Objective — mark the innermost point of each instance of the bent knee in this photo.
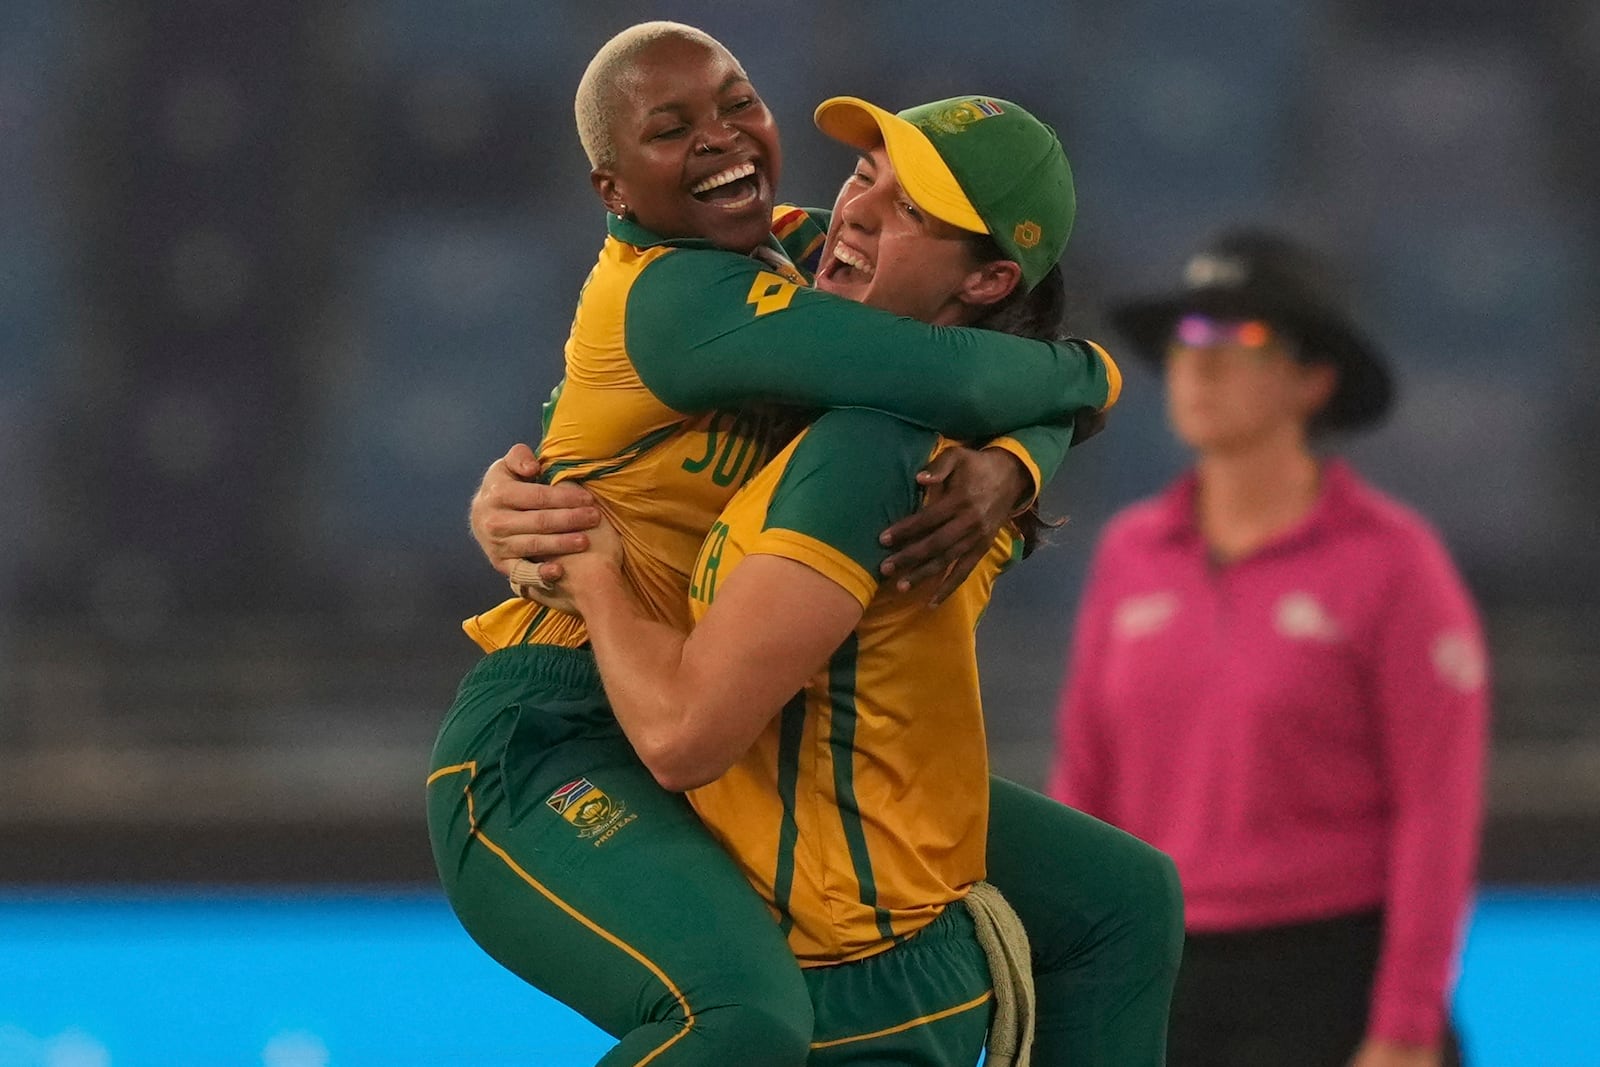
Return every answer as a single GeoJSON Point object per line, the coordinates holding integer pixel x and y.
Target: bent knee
{"type": "Point", "coordinates": [1154, 897]}
{"type": "Point", "coordinates": [760, 1035]}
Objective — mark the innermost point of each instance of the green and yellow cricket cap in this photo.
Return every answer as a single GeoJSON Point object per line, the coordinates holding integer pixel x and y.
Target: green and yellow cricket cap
{"type": "Point", "coordinates": [976, 162]}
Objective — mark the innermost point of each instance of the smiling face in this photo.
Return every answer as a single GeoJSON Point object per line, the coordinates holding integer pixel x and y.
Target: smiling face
{"type": "Point", "coordinates": [884, 251]}
{"type": "Point", "coordinates": [697, 151]}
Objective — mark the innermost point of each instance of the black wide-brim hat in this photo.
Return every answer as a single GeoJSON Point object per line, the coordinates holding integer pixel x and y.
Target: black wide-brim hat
{"type": "Point", "coordinates": [1256, 274]}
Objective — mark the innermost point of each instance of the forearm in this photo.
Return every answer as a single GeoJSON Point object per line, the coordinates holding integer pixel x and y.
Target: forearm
{"type": "Point", "coordinates": [961, 382]}
{"type": "Point", "coordinates": [769, 339]}
{"type": "Point", "coordinates": [1040, 451]}
{"type": "Point", "coordinates": [642, 664]}
{"type": "Point", "coordinates": [694, 705]}
{"type": "Point", "coordinates": [1433, 856]}
{"type": "Point", "coordinates": [1436, 762]}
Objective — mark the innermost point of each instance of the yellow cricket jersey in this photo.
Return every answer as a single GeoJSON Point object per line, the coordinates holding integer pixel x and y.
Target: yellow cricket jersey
{"type": "Point", "coordinates": [684, 367]}
{"type": "Point", "coordinates": [862, 810]}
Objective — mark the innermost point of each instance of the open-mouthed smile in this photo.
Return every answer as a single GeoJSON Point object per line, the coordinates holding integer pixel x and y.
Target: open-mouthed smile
{"type": "Point", "coordinates": [847, 263]}
{"type": "Point", "coordinates": [732, 188]}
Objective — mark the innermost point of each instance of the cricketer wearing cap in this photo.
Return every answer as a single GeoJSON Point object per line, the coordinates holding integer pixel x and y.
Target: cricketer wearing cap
{"type": "Point", "coordinates": [861, 811]}
{"type": "Point", "coordinates": [1015, 168]}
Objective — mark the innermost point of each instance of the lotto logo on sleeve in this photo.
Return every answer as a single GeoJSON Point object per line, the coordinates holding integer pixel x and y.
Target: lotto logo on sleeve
{"type": "Point", "coordinates": [587, 807]}
{"type": "Point", "coordinates": [771, 292]}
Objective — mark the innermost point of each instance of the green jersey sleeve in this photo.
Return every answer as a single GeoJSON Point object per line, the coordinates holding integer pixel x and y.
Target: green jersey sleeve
{"type": "Point", "coordinates": [1042, 449]}
{"type": "Point", "coordinates": [706, 329]}
{"type": "Point", "coordinates": [851, 476]}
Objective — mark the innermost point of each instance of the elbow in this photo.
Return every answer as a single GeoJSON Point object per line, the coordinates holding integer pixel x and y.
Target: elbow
{"type": "Point", "coordinates": [680, 776]}
{"type": "Point", "coordinates": [680, 757]}
{"type": "Point", "coordinates": [678, 766]}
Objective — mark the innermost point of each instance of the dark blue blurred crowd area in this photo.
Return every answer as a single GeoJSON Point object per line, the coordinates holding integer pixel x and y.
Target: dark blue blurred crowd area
{"type": "Point", "coordinates": [277, 282]}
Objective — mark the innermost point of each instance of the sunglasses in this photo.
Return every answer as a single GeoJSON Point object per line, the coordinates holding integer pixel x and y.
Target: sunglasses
{"type": "Point", "coordinates": [1203, 331]}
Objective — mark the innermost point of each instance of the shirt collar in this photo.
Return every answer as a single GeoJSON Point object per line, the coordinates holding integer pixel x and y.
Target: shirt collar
{"type": "Point", "coordinates": [1177, 520]}
{"type": "Point", "coordinates": [630, 232]}
{"type": "Point", "coordinates": [1175, 509]}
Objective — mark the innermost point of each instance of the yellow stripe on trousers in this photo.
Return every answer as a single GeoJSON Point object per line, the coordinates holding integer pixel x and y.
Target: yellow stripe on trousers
{"type": "Point", "coordinates": [922, 1021]}
{"type": "Point", "coordinates": [471, 769]}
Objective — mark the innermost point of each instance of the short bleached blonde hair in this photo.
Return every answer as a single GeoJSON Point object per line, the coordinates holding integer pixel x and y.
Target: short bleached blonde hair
{"type": "Point", "coordinates": [596, 103]}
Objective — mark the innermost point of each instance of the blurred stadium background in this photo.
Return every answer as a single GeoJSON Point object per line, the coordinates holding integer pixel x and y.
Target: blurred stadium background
{"type": "Point", "coordinates": [278, 280]}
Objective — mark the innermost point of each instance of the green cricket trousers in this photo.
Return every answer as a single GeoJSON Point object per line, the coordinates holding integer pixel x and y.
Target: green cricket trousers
{"type": "Point", "coordinates": [572, 868]}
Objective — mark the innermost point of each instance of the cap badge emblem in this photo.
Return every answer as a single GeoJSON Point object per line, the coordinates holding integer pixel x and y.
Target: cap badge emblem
{"type": "Point", "coordinates": [958, 117]}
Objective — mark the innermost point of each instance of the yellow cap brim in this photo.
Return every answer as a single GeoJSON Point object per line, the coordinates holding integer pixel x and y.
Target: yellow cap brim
{"type": "Point", "coordinates": [922, 172]}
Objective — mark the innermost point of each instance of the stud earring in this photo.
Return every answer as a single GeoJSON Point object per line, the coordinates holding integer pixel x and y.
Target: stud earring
{"type": "Point", "coordinates": [622, 211]}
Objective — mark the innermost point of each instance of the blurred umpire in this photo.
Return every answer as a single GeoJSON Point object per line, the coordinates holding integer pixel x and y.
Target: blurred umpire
{"type": "Point", "coordinates": [1278, 678]}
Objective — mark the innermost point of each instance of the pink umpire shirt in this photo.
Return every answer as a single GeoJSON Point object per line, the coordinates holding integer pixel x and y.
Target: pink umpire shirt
{"type": "Point", "coordinates": [1303, 730]}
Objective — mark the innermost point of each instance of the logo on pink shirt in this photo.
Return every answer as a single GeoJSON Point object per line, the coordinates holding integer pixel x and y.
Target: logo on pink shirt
{"type": "Point", "coordinates": [1301, 618]}
{"type": "Point", "coordinates": [1459, 661]}
{"type": "Point", "coordinates": [1138, 616]}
